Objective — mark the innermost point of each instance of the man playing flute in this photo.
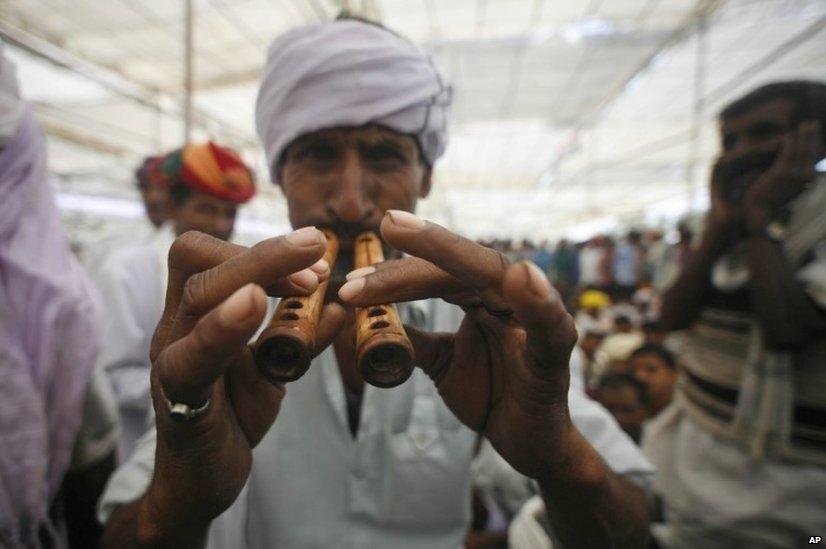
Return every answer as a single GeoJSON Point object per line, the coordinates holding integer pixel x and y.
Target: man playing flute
{"type": "Point", "coordinates": [353, 119]}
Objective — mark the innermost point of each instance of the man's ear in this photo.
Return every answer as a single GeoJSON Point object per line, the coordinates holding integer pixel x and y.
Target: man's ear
{"type": "Point", "coordinates": [424, 190]}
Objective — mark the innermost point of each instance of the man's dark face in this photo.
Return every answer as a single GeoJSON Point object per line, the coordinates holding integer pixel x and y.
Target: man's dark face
{"type": "Point", "coordinates": [345, 179]}
{"type": "Point", "coordinates": [625, 405]}
{"type": "Point", "coordinates": [623, 326]}
{"type": "Point", "coordinates": [157, 203]}
{"type": "Point", "coordinates": [657, 376]}
{"type": "Point", "coordinates": [750, 144]}
{"type": "Point", "coordinates": [201, 212]}
{"type": "Point", "coordinates": [590, 343]}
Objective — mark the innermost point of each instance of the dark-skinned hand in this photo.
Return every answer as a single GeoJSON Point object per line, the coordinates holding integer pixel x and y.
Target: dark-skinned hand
{"type": "Point", "coordinates": [216, 299]}
{"type": "Point", "coordinates": [504, 373]}
{"type": "Point", "coordinates": [793, 169]}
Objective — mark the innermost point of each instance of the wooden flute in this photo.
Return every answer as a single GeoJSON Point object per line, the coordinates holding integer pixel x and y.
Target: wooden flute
{"type": "Point", "coordinates": [384, 354]}
{"type": "Point", "coordinates": [383, 351]}
{"type": "Point", "coordinates": [284, 350]}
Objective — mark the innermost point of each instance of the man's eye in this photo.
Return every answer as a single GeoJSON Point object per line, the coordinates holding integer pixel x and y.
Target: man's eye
{"type": "Point", "coordinates": [384, 155]}
{"type": "Point", "coordinates": [762, 131]}
{"type": "Point", "coordinates": [318, 151]}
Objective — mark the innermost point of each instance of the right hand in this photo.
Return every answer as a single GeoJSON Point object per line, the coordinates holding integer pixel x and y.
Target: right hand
{"type": "Point", "coordinates": [723, 215]}
{"type": "Point", "coordinates": [215, 301]}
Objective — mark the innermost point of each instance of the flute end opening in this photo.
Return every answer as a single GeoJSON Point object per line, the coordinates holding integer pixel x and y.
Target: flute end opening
{"type": "Point", "coordinates": [387, 366]}
{"type": "Point", "coordinates": [283, 359]}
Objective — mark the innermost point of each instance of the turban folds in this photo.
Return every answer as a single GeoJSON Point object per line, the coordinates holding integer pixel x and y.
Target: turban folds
{"type": "Point", "coordinates": [349, 73]}
{"type": "Point", "coordinates": [150, 172]}
{"type": "Point", "coordinates": [210, 169]}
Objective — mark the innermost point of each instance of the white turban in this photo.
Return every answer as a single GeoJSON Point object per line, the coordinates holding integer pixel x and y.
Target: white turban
{"type": "Point", "coordinates": [349, 73]}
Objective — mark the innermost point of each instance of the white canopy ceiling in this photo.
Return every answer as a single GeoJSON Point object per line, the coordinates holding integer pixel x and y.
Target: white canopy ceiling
{"type": "Point", "coordinates": [569, 116]}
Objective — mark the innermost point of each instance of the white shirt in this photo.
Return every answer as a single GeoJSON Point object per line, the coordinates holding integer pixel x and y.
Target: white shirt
{"type": "Point", "coordinates": [98, 251]}
{"type": "Point", "coordinates": [402, 482]}
{"type": "Point", "coordinates": [132, 283]}
{"type": "Point", "coordinates": [589, 260]}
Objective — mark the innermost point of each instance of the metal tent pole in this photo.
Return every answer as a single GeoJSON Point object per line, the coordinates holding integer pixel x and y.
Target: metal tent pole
{"type": "Point", "coordinates": [189, 43]}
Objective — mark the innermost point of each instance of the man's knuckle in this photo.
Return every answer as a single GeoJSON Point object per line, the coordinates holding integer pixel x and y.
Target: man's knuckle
{"type": "Point", "coordinates": [183, 247]}
{"type": "Point", "coordinates": [193, 293]}
{"type": "Point", "coordinates": [504, 262]}
{"type": "Point", "coordinates": [202, 340]}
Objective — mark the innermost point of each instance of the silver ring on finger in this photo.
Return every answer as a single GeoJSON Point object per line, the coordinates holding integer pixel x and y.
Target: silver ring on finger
{"type": "Point", "coordinates": [182, 413]}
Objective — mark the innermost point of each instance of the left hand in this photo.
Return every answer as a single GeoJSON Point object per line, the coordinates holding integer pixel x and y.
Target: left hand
{"type": "Point", "coordinates": [787, 177]}
{"type": "Point", "coordinates": [505, 374]}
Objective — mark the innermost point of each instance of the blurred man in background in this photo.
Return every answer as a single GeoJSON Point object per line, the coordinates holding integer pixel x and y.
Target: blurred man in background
{"type": "Point", "coordinates": [154, 190]}
{"type": "Point", "coordinates": [656, 368]}
{"type": "Point", "coordinates": [629, 263]}
{"type": "Point", "coordinates": [742, 457]}
{"type": "Point", "coordinates": [627, 399]}
{"type": "Point", "coordinates": [563, 269]}
{"type": "Point", "coordinates": [591, 257]}
{"type": "Point", "coordinates": [206, 184]}
{"type": "Point", "coordinates": [57, 419]}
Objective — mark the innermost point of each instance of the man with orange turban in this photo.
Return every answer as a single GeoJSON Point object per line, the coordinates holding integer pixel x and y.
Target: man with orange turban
{"type": "Point", "coordinates": [206, 183]}
{"type": "Point", "coordinates": [154, 190]}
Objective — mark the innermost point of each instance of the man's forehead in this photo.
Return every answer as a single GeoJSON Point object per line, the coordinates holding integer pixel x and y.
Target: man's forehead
{"type": "Point", "coordinates": [777, 110]}
{"type": "Point", "coordinates": [371, 133]}
{"type": "Point", "coordinates": [204, 198]}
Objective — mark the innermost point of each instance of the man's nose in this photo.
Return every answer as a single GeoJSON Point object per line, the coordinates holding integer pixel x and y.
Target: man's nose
{"type": "Point", "coordinates": [349, 202]}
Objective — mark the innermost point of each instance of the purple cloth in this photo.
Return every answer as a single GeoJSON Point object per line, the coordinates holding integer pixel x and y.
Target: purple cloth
{"type": "Point", "coordinates": [49, 339]}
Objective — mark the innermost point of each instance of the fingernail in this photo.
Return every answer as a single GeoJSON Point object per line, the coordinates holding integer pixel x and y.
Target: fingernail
{"type": "Point", "coordinates": [359, 273]}
{"type": "Point", "coordinates": [320, 267]}
{"type": "Point", "coordinates": [304, 278]}
{"type": "Point", "coordinates": [537, 281]}
{"type": "Point", "coordinates": [237, 307]}
{"type": "Point", "coordinates": [351, 289]}
{"type": "Point", "coordinates": [405, 219]}
{"type": "Point", "coordinates": [306, 236]}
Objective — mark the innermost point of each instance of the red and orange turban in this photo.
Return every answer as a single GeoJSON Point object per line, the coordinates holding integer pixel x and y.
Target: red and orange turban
{"type": "Point", "coordinates": [155, 174]}
{"type": "Point", "coordinates": [150, 173]}
{"type": "Point", "coordinates": [210, 169]}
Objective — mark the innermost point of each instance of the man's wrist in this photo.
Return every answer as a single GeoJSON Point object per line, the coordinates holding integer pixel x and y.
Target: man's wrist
{"type": "Point", "coordinates": [580, 470]}
{"type": "Point", "coordinates": [162, 521]}
{"type": "Point", "coordinates": [757, 219]}
{"type": "Point", "coordinates": [715, 240]}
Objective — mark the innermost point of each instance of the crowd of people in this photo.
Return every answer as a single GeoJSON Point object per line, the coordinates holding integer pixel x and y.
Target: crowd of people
{"type": "Point", "coordinates": [616, 392]}
{"type": "Point", "coordinates": [620, 265]}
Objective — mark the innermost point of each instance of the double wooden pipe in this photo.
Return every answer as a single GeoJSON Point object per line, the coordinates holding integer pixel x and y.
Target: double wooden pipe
{"type": "Point", "coordinates": [384, 353]}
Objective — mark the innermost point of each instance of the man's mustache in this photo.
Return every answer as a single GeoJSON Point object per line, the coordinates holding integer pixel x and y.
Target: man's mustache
{"type": "Point", "coordinates": [754, 162]}
{"type": "Point", "coordinates": [347, 231]}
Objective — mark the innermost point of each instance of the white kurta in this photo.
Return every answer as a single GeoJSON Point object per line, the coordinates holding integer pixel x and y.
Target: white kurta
{"type": "Point", "coordinates": [132, 283]}
{"type": "Point", "coordinates": [402, 482]}
{"type": "Point", "coordinates": [717, 489]}
{"type": "Point", "coordinates": [112, 241]}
